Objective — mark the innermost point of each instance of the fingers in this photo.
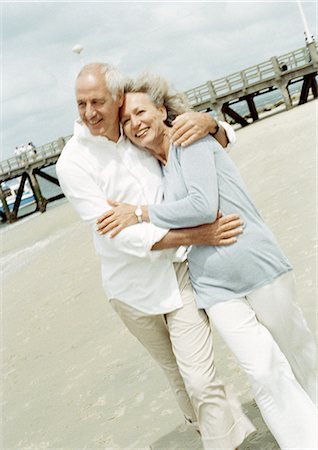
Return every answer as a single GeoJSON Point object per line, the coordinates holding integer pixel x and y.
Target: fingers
{"type": "Point", "coordinates": [105, 216]}
{"type": "Point", "coordinates": [231, 225]}
{"type": "Point", "coordinates": [101, 225]}
{"type": "Point", "coordinates": [191, 126]}
{"type": "Point", "coordinates": [106, 227]}
{"type": "Point", "coordinates": [179, 133]}
{"type": "Point", "coordinates": [187, 138]}
{"type": "Point", "coordinates": [229, 237]}
{"type": "Point", "coordinates": [229, 218]}
{"type": "Point", "coordinates": [112, 202]}
{"type": "Point", "coordinates": [116, 231]}
{"type": "Point", "coordinates": [231, 233]}
{"type": "Point", "coordinates": [228, 241]}
{"type": "Point", "coordinates": [230, 222]}
{"type": "Point", "coordinates": [180, 120]}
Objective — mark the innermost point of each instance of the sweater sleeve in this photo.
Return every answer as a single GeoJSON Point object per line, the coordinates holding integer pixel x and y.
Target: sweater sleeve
{"type": "Point", "coordinates": [197, 167]}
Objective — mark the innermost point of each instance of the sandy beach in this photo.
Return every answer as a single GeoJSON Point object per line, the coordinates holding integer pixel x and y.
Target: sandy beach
{"type": "Point", "coordinates": [72, 375]}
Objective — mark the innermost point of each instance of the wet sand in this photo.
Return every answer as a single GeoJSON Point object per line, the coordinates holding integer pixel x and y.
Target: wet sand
{"type": "Point", "coordinates": [72, 376]}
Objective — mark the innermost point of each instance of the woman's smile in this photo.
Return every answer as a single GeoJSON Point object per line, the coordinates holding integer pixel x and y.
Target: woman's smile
{"type": "Point", "coordinates": [141, 133]}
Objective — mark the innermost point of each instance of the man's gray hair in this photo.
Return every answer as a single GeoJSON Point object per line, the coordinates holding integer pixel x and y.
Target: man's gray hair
{"type": "Point", "coordinates": [160, 93]}
{"type": "Point", "coordinates": [115, 80]}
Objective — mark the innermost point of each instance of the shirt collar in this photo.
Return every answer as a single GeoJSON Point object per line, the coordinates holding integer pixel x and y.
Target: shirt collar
{"type": "Point", "coordinates": [81, 132]}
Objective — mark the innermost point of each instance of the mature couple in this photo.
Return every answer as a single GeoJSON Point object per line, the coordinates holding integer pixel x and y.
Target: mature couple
{"type": "Point", "coordinates": [245, 289]}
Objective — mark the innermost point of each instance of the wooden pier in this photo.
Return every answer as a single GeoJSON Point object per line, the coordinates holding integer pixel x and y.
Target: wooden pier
{"type": "Point", "coordinates": [276, 73]}
{"type": "Point", "coordinates": [28, 167]}
{"type": "Point", "coordinates": [218, 95]}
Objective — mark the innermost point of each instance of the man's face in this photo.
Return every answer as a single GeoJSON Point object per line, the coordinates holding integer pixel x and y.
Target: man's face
{"type": "Point", "coordinates": [97, 109]}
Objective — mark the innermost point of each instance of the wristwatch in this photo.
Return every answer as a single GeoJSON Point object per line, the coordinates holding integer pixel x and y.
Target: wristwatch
{"type": "Point", "coordinates": [138, 212]}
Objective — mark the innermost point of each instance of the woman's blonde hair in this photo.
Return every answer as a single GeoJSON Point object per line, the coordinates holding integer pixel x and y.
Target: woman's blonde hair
{"type": "Point", "coordinates": [160, 93]}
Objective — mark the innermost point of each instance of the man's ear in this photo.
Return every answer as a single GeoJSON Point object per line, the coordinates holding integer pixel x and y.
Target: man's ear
{"type": "Point", "coordinates": [120, 99]}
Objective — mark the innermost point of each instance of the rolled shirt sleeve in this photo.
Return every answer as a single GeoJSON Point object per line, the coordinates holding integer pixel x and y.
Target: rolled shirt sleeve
{"type": "Point", "coordinates": [231, 135]}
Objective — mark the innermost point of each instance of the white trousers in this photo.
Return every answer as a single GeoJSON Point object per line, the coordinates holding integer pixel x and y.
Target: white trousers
{"type": "Point", "coordinates": [267, 333]}
{"type": "Point", "coordinates": [188, 351]}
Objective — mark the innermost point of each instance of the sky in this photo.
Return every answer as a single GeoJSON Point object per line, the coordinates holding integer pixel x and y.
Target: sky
{"type": "Point", "coordinates": [186, 42]}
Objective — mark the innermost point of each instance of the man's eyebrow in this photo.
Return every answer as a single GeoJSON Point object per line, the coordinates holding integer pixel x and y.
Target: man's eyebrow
{"type": "Point", "coordinates": [95, 99]}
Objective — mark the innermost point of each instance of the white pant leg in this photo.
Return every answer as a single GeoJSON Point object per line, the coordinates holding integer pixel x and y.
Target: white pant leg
{"type": "Point", "coordinates": [286, 408]}
{"type": "Point", "coordinates": [151, 331]}
{"type": "Point", "coordinates": [222, 422]}
{"type": "Point", "coordinates": [276, 308]}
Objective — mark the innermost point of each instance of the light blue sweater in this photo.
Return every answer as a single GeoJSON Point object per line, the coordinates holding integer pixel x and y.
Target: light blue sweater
{"type": "Point", "coordinates": [198, 181]}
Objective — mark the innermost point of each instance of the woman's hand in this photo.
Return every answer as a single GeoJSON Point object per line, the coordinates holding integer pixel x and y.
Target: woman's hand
{"type": "Point", "coordinates": [121, 216]}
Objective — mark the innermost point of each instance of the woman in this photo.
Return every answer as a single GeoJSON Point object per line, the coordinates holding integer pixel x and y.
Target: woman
{"type": "Point", "coordinates": [241, 287]}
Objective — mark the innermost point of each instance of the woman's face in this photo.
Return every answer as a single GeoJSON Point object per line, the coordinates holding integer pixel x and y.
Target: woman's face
{"type": "Point", "coordinates": [142, 121]}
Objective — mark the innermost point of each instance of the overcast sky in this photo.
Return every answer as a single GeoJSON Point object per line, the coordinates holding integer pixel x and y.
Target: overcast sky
{"type": "Point", "coordinates": [187, 42]}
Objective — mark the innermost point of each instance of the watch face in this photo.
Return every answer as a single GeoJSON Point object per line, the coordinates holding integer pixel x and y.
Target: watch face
{"type": "Point", "coordinates": [138, 213]}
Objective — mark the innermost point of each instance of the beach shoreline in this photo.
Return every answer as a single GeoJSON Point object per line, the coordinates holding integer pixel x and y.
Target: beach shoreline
{"type": "Point", "coordinates": [72, 375]}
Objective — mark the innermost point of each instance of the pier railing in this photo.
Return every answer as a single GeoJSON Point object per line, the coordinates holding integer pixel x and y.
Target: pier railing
{"type": "Point", "coordinates": [240, 81]}
{"type": "Point", "coordinates": [295, 59]}
{"type": "Point", "coordinates": [43, 155]}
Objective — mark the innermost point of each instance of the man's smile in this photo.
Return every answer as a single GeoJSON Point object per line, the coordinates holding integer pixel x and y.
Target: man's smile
{"type": "Point", "coordinates": [95, 124]}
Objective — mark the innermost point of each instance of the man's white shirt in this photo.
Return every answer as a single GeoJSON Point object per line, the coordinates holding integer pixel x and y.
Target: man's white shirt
{"type": "Point", "coordinates": [92, 169]}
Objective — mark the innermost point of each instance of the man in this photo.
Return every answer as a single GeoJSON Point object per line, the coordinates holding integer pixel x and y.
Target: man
{"type": "Point", "coordinates": [150, 292]}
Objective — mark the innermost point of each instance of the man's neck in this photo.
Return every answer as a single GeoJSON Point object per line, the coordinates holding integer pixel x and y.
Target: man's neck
{"type": "Point", "coordinates": [113, 135]}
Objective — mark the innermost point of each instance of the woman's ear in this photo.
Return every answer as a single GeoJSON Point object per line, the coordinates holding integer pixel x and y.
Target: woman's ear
{"type": "Point", "coordinates": [164, 113]}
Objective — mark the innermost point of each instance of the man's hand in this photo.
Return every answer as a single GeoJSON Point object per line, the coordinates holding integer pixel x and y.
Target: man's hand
{"type": "Point", "coordinates": [223, 231]}
{"type": "Point", "coordinates": [191, 126]}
